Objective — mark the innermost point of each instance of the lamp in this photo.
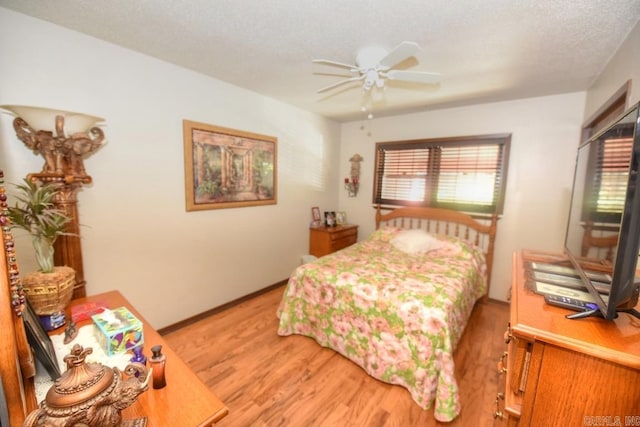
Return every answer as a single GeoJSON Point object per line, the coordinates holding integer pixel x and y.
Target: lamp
{"type": "Point", "coordinates": [352, 184]}
{"type": "Point", "coordinates": [64, 139]}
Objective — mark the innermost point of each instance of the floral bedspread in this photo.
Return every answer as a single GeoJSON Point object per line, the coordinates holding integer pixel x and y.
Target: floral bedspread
{"type": "Point", "coordinates": [398, 316]}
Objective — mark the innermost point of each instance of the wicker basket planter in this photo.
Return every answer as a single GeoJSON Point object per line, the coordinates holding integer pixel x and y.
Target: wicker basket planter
{"type": "Point", "coordinates": [50, 293]}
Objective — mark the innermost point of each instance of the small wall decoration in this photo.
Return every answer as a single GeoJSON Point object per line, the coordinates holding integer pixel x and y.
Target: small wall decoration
{"type": "Point", "coordinates": [228, 168]}
{"type": "Point", "coordinates": [352, 183]}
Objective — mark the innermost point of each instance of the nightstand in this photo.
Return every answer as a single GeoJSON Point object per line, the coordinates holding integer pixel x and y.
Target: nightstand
{"type": "Point", "coordinates": [325, 240]}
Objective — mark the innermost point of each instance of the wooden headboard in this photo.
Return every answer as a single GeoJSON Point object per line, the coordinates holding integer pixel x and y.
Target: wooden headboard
{"type": "Point", "coordinates": [599, 240]}
{"type": "Point", "coordinates": [479, 231]}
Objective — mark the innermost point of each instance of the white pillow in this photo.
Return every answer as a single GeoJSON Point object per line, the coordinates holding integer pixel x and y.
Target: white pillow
{"type": "Point", "coordinates": [415, 242]}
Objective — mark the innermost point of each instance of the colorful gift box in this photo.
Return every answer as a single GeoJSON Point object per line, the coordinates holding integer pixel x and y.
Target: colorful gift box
{"type": "Point", "coordinates": [117, 330]}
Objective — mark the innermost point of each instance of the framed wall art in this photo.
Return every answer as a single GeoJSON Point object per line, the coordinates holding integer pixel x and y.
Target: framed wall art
{"type": "Point", "coordinates": [228, 168]}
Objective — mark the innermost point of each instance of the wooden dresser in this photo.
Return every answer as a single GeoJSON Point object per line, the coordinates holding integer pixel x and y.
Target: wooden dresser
{"type": "Point", "coordinates": [561, 372]}
{"type": "Point", "coordinates": [325, 240]}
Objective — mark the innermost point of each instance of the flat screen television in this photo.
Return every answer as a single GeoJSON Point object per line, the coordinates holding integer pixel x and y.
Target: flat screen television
{"type": "Point", "coordinates": [606, 198]}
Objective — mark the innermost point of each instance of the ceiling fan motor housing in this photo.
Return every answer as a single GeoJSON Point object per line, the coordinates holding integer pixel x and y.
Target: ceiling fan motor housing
{"type": "Point", "coordinates": [372, 77]}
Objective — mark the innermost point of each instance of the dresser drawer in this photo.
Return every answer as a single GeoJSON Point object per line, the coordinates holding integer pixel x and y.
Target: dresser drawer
{"type": "Point", "coordinates": [513, 366]}
{"type": "Point", "coordinates": [343, 242]}
{"type": "Point", "coordinates": [349, 234]}
{"type": "Point", "coordinates": [326, 240]}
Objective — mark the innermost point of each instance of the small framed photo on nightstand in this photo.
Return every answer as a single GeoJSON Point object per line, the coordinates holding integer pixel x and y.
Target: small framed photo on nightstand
{"type": "Point", "coordinates": [341, 218]}
{"type": "Point", "coordinates": [329, 219]}
{"type": "Point", "coordinates": [316, 219]}
{"type": "Point", "coordinates": [315, 213]}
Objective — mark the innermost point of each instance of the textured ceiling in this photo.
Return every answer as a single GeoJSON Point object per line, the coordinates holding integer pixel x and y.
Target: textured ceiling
{"type": "Point", "coordinates": [486, 51]}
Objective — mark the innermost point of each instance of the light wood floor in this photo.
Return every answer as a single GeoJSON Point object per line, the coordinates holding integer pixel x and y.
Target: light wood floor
{"type": "Point", "coordinates": [268, 380]}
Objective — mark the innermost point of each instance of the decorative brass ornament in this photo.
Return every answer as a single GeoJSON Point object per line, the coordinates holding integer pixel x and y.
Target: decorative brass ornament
{"type": "Point", "coordinates": [90, 394]}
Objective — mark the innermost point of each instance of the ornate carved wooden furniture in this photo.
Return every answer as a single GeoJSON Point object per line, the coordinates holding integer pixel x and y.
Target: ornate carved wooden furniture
{"type": "Point", "coordinates": [63, 139]}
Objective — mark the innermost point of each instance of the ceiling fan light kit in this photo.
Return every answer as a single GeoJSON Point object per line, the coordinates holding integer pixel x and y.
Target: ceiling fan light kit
{"type": "Point", "coordinates": [374, 65]}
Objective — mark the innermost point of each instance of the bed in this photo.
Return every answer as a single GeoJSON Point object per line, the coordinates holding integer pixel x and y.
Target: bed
{"type": "Point", "coordinates": [397, 302]}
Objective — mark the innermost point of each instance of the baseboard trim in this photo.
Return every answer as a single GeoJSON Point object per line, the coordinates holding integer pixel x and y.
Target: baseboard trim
{"type": "Point", "coordinates": [186, 322]}
{"type": "Point", "coordinates": [498, 301]}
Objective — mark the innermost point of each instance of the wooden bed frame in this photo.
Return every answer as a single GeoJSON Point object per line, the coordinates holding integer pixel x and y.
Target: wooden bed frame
{"type": "Point", "coordinates": [447, 222]}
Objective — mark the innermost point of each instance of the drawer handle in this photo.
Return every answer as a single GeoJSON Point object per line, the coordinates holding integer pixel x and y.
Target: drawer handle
{"type": "Point", "coordinates": [498, 413]}
{"type": "Point", "coordinates": [508, 337]}
{"type": "Point", "coordinates": [500, 396]}
{"type": "Point", "coordinates": [502, 369]}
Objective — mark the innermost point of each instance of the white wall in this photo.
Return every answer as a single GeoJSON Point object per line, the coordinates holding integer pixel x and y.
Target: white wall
{"type": "Point", "coordinates": [624, 65]}
{"type": "Point", "coordinates": [545, 132]}
{"type": "Point", "coordinates": [137, 236]}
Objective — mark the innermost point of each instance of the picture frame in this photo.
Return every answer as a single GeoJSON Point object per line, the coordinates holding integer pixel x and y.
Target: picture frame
{"type": "Point", "coordinates": [568, 271]}
{"type": "Point", "coordinates": [550, 289]}
{"type": "Point", "coordinates": [228, 168]}
{"type": "Point", "coordinates": [570, 282]}
{"type": "Point", "coordinates": [329, 219]}
{"type": "Point", "coordinates": [40, 342]}
{"type": "Point", "coordinates": [316, 219]}
{"type": "Point", "coordinates": [567, 277]}
{"type": "Point", "coordinates": [341, 218]}
{"type": "Point", "coordinates": [315, 213]}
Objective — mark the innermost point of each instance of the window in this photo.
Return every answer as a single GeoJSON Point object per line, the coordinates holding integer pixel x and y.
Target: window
{"type": "Point", "coordinates": [612, 108]}
{"type": "Point", "coordinates": [466, 173]}
{"type": "Point", "coordinates": [608, 190]}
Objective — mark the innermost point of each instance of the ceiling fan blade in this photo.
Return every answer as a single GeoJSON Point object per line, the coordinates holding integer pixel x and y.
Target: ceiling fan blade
{"type": "Point", "coordinates": [401, 52]}
{"type": "Point", "coordinates": [340, 83]}
{"type": "Point", "coordinates": [351, 67]}
{"type": "Point", "coordinates": [412, 76]}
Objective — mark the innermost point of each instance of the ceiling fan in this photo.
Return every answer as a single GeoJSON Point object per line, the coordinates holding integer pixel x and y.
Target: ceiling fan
{"type": "Point", "coordinates": [374, 65]}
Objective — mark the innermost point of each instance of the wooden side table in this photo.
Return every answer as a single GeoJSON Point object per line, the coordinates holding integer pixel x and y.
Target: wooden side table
{"type": "Point", "coordinates": [325, 240]}
{"type": "Point", "coordinates": [185, 401]}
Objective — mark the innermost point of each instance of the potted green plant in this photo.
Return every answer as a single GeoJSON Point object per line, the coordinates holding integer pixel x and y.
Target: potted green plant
{"type": "Point", "coordinates": [36, 213]}
{"type": "Point", "coordinates": [50, 288]}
